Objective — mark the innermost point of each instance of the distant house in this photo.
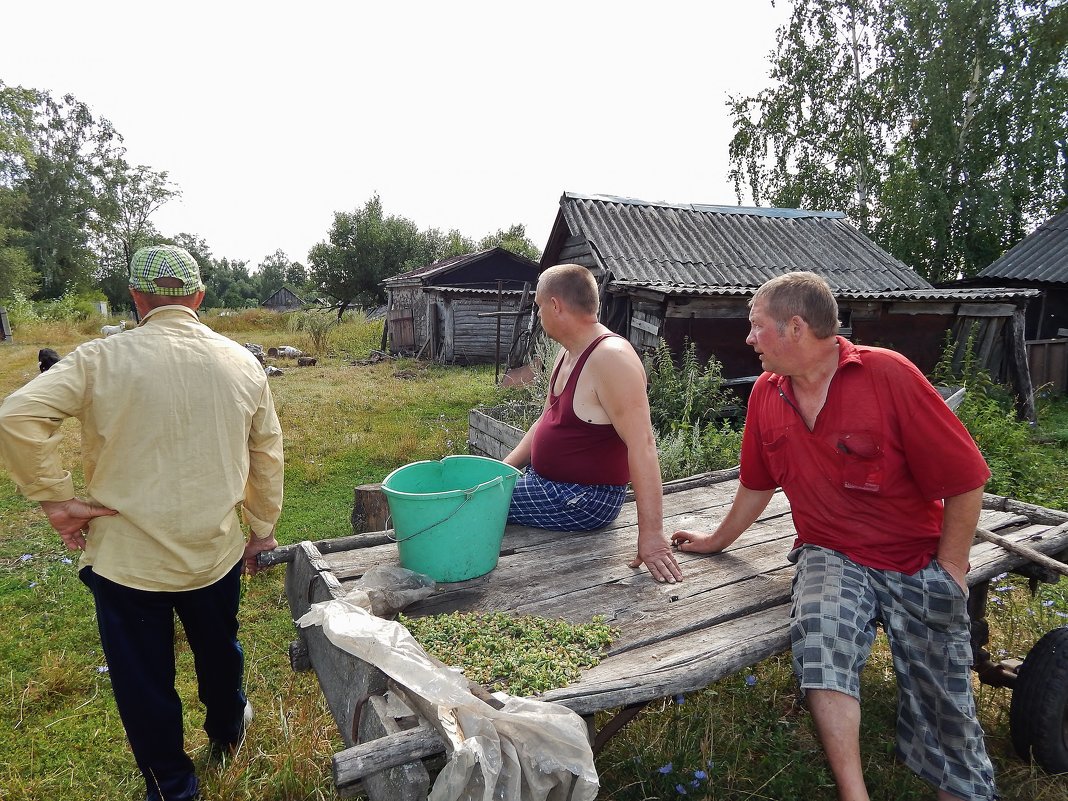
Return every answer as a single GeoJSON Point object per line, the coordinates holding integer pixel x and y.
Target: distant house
{"type": "Point", "coordinates": [283, 300]}
{"type": "Point", "coordinates": [687, 271]}
{"type": "Point", "coordinates": [464, 309]}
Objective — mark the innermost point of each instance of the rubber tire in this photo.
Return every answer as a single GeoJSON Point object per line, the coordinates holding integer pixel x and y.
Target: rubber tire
{"type": "Point", "coordinates": [1038, 714]}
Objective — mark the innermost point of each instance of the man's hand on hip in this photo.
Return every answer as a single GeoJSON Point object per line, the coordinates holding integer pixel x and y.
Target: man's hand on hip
{"type": "Point", "coordinates": [71, 519]}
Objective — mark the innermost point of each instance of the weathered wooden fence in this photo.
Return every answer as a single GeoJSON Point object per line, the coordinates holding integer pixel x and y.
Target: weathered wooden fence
{"type": "Point", "coordinates": [1048, 362]}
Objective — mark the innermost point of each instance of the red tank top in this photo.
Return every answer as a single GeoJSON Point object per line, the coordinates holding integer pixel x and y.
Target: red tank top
{"type": "Point", "coordinates": [569, 449]}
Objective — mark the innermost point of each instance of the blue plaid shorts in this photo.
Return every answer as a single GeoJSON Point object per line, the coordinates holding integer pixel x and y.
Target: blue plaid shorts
{"type": "Point", "coordinates": [836, 605]}
{"type": "Point", "coordinates": [559, 506]}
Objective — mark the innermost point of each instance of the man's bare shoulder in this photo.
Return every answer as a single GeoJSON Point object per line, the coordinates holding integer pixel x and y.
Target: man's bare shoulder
{"type": "Point", "coordinates": [614, 358]}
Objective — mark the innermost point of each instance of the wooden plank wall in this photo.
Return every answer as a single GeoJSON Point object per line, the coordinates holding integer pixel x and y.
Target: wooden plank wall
{"type": "Point", "coordinates": [470, 338]}
{"type": "Point", "coordinates": [409, 299]}
{"type": "Point", "coordinates": [1048, 360]}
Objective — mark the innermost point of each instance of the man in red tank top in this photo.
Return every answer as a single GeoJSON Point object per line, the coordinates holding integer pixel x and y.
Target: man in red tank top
{"type": "Point", "coordinates": [594, 434]}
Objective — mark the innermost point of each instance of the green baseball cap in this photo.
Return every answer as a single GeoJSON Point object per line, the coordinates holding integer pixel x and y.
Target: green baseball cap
{"type": "Point", "coordinates": [165, 261]}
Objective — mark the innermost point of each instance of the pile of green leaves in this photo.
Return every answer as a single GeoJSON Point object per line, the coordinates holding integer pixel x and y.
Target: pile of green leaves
{"type": "Point", "coordinates": [521, 655]}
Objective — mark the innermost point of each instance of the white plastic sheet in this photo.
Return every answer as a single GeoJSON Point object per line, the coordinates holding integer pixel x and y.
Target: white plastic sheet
{"type": "Point", "coordinates": [527, 751]}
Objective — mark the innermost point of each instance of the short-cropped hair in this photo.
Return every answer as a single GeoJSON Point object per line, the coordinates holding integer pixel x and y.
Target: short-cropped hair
{"type": "Point", "coordinates": [573, 284]}
{"type": "Point", "coordinates": [803, 294]}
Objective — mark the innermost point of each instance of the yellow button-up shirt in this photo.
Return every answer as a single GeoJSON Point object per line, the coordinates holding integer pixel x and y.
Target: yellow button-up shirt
{"type": "Point", "coordinates": [178, 431]}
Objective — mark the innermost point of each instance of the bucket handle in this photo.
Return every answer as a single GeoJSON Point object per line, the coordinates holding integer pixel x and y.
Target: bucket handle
{"type": "Point", "coordinates": [468, 494]}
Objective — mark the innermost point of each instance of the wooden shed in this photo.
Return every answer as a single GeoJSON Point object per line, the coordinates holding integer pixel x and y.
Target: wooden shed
{"type": "Point", "coordinates": [283, 299]}
{"type": "Point", "coordinates": [1040, 261]}
{"type": "Point", "coordinates": [465, 309]}
{"type": "Point", "coordinates": [687, 271]}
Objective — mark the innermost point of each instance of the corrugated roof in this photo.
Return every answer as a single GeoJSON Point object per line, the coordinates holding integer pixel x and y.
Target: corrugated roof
{"type": "Point", "coordinates": [453, 263]}
{"type": "Point", "coordinates": [1042, 255]}
{"type": "Point", "coordinates": [484, 293]}
{"type": "Point", "coordinates": [438, 267]}
{"type": "Point", "coordinates": [701, 245]}
{"type": "Point", "coordinates": [950, 295]}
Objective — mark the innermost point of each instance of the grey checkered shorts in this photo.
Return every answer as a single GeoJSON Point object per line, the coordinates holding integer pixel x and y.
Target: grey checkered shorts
{"type": "Point", "coordinates": [560, 506]}
{"type": "Point", "coordinates": [836, 605]}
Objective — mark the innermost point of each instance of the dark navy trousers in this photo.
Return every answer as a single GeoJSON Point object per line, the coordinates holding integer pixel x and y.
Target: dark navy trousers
{"type": "Point", "coordinates": [137, 633]}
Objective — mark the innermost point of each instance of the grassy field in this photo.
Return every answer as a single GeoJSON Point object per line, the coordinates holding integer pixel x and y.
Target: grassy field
{"type": "Point", "coordinates": [349, 422]}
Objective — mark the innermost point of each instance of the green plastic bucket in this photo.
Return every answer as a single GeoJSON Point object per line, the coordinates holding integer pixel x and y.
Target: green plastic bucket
{"type": "Point", "coordinates": [449, 516]}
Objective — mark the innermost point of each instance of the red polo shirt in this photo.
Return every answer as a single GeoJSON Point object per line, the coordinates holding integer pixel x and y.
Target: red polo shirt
{"type": "Point", "coordinates": [869, 480]}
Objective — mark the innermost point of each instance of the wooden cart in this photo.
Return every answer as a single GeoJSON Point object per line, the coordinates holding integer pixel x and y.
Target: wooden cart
{"type": "Point", "coordinates": [730, 612]}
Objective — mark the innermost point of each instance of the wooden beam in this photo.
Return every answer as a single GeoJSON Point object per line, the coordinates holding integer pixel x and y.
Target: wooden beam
{"type": "Point", "coordinates": [644, 326]}
{"type": "Point", "coordinates": [921, 308]}
{"type": "Point", "coordinates": [986, 309]}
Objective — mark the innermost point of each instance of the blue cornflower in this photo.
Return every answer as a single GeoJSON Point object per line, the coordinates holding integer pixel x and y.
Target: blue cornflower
{"type": "Point", "coordinates": [67, 560]}
{"type": "Point", "coordinates": [33, 584]}
{"type": "Point", "coordinates": [1003, 588]}
{"type": "Point", "coordinates": [1048, 604]}
{"type": "Point", "coordinates": [26, 557]}
{"type": "Point", "coordinates": [664, 770]}
{"type": "Point", "coordinates": [751, 680]}
{"type": "Point", "coordinates": [102, 669]}
{"type": "Point", "coordinates": [680, 789]}
{"type": "Point", "coordinates": [680, 699]}
{"type": "Point", "coordinates": [700, 775]}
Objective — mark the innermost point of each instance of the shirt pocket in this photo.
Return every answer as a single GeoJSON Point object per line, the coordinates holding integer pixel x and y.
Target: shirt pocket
{"type": "Point", "coordinates": [861, 458]}
{"type": "Point", "coordinates": [776, 454]}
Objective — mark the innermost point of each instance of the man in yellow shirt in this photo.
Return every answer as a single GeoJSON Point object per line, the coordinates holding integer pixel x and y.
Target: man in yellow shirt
{"type": "Point", "coordinates": [179, 432]}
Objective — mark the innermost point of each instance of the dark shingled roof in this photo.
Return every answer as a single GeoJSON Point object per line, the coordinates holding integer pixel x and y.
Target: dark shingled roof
{"type": "Point", "coordinates": [1040, 256]}
{"type": "Point", "coordinates": [444, 266]}
{"type": "Point", "coordinates": [656, 243]}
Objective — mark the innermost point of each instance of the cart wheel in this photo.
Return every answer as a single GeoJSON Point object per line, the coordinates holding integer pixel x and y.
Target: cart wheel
{"type": "Point", "coordinates": [1038, 714]}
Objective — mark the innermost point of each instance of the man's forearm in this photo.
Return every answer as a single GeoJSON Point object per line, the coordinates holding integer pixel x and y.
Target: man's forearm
{"type": "Point", "coordinates": [959, 519]}
{"type": "Point", "coordinates": [648, 491]}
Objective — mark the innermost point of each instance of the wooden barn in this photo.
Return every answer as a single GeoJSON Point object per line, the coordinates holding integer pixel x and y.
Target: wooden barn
{"type": "Point", "coordinates": [282, 300]}
{"type": "Point", "coordinates": [465, 309]}
{"type": "Point", "coordinates": [1040, 261]}
{"type": "Point", "coordinates": [687, 271]}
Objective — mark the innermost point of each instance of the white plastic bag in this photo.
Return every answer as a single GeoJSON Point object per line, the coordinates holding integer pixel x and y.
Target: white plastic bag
{"type": "Point", "coordinates": [528, 751]}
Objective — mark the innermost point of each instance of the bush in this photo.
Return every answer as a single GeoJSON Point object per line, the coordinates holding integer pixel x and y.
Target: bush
{"type": "Point", "coordinates": [71, 308]}
{"type": "Point", "coordinates": [688, 395]}
{"type": "Point", "coordinates": [317, 325]}
{"type": "Point", "coordinates": [687, 452]}
{"type": "Point", "coordinates": [20, 309]}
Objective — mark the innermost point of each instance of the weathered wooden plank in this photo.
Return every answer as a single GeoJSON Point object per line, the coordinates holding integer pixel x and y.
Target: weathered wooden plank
{"type": "Point", "coordinates": [355, 762]}
{"type": "Point", "coordinates": [686, 665]}
{"type": "Point", "coordinates": [989, 559]}
{"type": "Point", "coordinates": [1028, 552]}
{"type": "Point", "coordinates": [370, 510]}
{"type": "Point", "coordinates": [407, 781]}
{"type": "Point", "coordinates": [345, 680]}
{"type": "Point", "coordinates": [986, 309]}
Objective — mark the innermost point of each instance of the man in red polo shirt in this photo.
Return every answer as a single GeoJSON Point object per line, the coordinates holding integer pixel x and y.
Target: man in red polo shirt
{"type": "Point", "coordinates": [885, 488]}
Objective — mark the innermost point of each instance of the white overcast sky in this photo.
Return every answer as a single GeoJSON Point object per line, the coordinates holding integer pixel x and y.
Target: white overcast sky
{"type": "Point", "coordinates": [471, 115]}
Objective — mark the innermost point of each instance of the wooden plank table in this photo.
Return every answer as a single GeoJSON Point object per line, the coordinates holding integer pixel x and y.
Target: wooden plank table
{"type": "Point", "coordinates": [730, 612]}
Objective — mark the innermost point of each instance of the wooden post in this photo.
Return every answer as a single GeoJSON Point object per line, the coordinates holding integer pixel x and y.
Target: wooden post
{"type": "Point", "coordinates": [1020, 372]}
{"type": "Point", "coordinates": [5, 326]}
{"type": "Point", "coordinates": [370, 511]}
